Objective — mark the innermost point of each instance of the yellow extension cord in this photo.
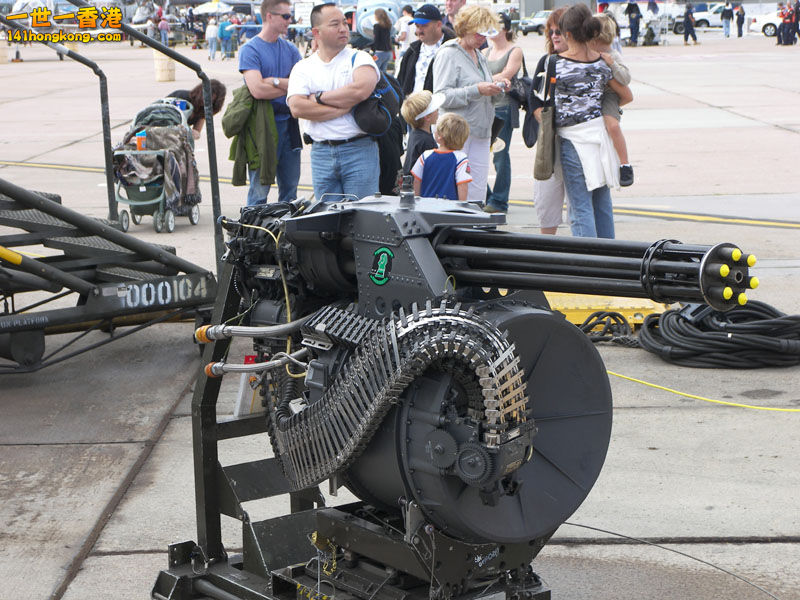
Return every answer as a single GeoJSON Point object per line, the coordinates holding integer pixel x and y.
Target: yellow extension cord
{"type": "Point", "coordinates": [694, 397]}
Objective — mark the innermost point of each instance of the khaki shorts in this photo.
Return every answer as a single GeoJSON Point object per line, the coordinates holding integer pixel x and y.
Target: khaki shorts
{"type": "Point", "coordinates": [610, 104]}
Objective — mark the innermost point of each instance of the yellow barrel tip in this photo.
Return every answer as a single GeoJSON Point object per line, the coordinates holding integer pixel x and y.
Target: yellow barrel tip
{"type": "Point", "coordinates": [754, 283]}
{"type": "Point", "coordinates": [736, 254]}
{"type": "Point", "coordinates": [724, 270]}
{"type": "Point", "coordinates": [209, 371]}
{"type": "Point", "coordinates": [741, 299]}
{"type": "Point", "coordinates": [200, 334]}
{"type": "Point", "coordinates": [727, 293]}
{"type": "Point", "coordinates": [751, 260]}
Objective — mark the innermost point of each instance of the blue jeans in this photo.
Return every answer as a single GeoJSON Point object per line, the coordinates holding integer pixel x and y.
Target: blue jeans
{"type": "Point", "coordinates": [590, 212]}
{"type": "Point", "coordinates": [287, 174]}
{"type": "Point", "coordinates": [225, 45]}
{"type": "Point", "coordinates": [164, 37]}
{"type": "Point", "coordinates": [383, 57]}
{"type": "Point", "coordinates": [212, 48]}
{"type": "Point", "coordinates": [726, 27]}
{"type": "Point", "coordinates": [498, 197]}
{"type": "Point", "coordinates": [352, 168]}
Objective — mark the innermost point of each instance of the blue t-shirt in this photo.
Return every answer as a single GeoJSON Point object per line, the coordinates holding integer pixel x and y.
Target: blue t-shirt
{"type": "Point", "coordinates": [225, 32]}
{"type": "Point", "coordinates": [271, 59]}
{"type": "Point", "coordinates": [440, 172]}
{"type": "Point", "coordinates": [251, 30]}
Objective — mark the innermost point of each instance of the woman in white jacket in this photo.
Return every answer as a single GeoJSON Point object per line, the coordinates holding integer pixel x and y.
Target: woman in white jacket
{"type": "Point", "coordinates": [461, 72]}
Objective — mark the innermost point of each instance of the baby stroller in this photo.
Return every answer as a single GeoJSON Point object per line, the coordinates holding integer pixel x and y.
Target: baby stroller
{"type": "Point", "coordinates": [155, 167]}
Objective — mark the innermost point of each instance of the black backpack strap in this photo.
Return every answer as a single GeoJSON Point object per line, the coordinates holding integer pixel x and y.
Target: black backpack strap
{"type": "Point", "coordinates": [550, 73]}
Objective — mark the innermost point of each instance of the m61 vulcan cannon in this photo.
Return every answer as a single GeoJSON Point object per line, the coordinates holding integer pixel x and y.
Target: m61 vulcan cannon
{"type": "Point", "coordinates": [471, 424]}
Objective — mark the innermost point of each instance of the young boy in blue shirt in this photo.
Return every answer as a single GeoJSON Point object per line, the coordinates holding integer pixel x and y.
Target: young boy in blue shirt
{"type": "Point", "coordinates": [444, 172]}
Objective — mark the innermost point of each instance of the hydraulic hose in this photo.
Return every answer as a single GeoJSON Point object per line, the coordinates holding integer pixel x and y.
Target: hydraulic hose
{"type": "Point", "coordinates": [207, 333]}
{"type": "Point", "coordinates": [218, 369]}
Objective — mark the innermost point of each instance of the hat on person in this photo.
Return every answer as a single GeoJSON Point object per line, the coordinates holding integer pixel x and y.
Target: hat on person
{"type": "Point", "coordinates": [425, 14]}
{"type": "Point", "coordinates": [435, 104]}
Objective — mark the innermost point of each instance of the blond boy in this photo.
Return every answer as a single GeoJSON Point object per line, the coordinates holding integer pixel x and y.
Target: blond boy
{"type": "Point", "coordinates": [444, 172]}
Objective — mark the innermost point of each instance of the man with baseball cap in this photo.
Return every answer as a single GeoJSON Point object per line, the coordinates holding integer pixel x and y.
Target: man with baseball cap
{"type": "Point", "coordinates": [416, 72]}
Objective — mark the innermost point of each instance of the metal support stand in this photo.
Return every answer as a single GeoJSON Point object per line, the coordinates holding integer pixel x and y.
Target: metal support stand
{"type": "Point", "coordinates": [278, 561]}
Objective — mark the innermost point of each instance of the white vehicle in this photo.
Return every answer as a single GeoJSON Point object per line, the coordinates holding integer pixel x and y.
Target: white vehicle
{"type": "Point", "coordinates": [535, 23]}
{"type": "Point", "coordinates": [767, 24]}
{"type": "Point", "coordinates": [706, 18]}
{"type": "Point", "coordinates": [711, 17]}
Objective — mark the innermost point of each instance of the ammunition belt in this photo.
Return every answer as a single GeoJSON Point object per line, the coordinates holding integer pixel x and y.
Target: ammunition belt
{"type": "Point", "coordinates": [388, 355]}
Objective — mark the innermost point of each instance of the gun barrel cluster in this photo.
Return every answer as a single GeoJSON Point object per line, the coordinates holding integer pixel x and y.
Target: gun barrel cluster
{"type": "Point", "coordinates": [666, 271]}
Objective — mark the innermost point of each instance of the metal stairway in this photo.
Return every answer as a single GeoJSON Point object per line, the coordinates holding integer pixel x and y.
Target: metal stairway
{"type": "Point", "coordinates": [115, 279]}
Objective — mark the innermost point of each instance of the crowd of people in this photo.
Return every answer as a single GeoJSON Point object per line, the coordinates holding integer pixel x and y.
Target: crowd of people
{"type": "Point", "coordinates": [455, 73]}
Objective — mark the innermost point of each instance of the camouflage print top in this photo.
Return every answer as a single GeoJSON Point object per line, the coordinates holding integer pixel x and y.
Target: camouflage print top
{"type": "Point", "coordinates": [579, 90]}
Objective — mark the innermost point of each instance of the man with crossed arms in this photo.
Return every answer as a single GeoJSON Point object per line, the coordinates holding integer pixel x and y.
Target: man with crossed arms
{"type": "Point", "coordinates": [323, 89]}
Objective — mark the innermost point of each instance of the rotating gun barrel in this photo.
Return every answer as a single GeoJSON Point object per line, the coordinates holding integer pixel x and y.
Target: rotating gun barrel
{"type": "Point", "coordinates": [664, 271]}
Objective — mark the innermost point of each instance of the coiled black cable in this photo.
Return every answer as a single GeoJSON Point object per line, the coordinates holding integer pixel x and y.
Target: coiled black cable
{"type": "Point", "coordinates": [604, 326]}
{"type": "Point", "coordinates": [746, 337]}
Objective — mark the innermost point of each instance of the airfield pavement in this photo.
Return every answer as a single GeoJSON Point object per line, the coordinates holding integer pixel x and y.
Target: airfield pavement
{"type": "Point", "coordinates": [95, 453]}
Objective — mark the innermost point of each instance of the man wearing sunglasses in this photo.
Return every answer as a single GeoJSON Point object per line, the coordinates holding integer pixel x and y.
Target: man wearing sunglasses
{"type": "Point", "coordinates": [323, 89]}
{"type": "Point", "coordinates": [266, 61]}
{"type": "Point", "coordinates": [416, 70]}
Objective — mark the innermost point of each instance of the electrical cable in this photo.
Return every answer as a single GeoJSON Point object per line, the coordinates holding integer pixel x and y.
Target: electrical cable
{"type": "Point", "coordinates": [755, 316]}
{"type": "Point", "coordinates": [276, 239]}
{"type": "Point", "coordinates": [700, 560]}
{"type": "Point", "coordinates": [694, 397]}
{"type": "Point", "coordinates": [746, 337]}
{"type": "Point", "coordinates": [614, 328]}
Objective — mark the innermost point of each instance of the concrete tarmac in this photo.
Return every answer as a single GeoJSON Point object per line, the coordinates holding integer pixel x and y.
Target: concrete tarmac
{"type": "Point", "coordinates": [95, 453]}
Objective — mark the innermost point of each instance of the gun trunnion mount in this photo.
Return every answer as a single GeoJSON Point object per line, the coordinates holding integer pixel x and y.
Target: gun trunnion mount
{"type": "Point", "coordinates": [470, 424]}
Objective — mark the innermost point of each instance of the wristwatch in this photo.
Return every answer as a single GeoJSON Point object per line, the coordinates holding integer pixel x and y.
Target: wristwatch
{"type": "Point", "coordinates": [276, 82]}
{"type": "Point", "coordinates": [318, 97]}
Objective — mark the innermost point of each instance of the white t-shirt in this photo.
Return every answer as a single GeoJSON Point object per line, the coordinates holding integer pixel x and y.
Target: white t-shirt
{"type": "Point", "coordinates": [312, 75]}
{"type": "Point", "coordinates": [426, 53]}
{"type": "Point", "coordinates": [404, 24]}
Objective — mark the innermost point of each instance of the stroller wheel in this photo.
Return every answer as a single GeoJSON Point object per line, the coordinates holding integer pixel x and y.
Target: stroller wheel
{"type": "Point", "coordinates": [194, 214]}
{"type": "Point", "coordinates": [169, 220]}
{"type": "Point", "coordinates": [137, 219]}
{"type": "Point", "coordinates": [158, 221]}
{"type": "Point", "coordinates": [124, 220]}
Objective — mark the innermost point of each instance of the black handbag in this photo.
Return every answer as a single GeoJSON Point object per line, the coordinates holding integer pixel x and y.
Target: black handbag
{"type": "Point", "coordinates": [530, 126]}
{"type": "Point", "coordinates": [521, 88]}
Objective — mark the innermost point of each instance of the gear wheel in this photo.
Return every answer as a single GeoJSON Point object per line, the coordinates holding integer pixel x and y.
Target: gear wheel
{"type": "Point", "coordinates": [474, 464]}
{"type": "Point", "coordinates": [440, 448]}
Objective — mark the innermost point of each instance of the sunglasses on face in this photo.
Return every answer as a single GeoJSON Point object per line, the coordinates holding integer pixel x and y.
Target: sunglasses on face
{"type": "Point", "coordinates": [286, 16]}
{"type": "Point", "coordinates": [555, 32]}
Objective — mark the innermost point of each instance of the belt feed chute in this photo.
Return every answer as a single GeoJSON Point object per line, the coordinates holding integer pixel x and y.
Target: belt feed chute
{"type": "Point", "coordinates": [387, 355]}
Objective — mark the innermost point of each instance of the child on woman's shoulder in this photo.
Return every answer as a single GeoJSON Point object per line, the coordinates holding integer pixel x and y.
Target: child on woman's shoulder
{"type": "Point", "coordinates": [444, 172]}
{"type": "Point", "coordinates": [611, 112]}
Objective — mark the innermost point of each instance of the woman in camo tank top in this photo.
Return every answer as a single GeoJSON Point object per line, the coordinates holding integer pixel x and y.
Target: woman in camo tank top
{"type": "Point", "coordinates": [589, 163]}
